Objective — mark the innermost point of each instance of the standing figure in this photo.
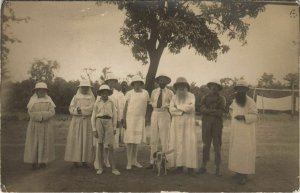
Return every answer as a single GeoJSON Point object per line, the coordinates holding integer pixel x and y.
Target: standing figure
{"type": "Point", "coordinates": [134, 120]}
{"type": "Point", "coordinates": [104, 120]}
{"type": "Point", "coordinates": [160, 118]}
{"type": "Point", "coordinates": [39, 144]}
{"type": "Point", "coordinates": [242, 147]}
{"type": "Point", "coordinates": [118, 99]}
{"type": "Point", "coordinates": [80, 138]}
{"type": "Point", "coordinates": [183, 139]}
{"type": "Point", "coordinates": [212, 107]}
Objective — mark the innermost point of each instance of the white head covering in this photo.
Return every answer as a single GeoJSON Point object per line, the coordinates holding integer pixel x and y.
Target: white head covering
{"type": "Point", "coordinates": [136, 78]}
{"type": "Point", "coordinates": [215, 82]}
{"type": "Point", "coordinates": [40, 85]}
{"type": "Point", "coordinates": [85, 83]}
{"type": "Point", "coordinates": [111, 76]}
{"type": "Point", "coordinates": [241, 83]}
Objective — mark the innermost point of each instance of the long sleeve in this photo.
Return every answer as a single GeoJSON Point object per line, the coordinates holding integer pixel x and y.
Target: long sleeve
{"type": "Point", "coordinates": [72, 107]}
{"type": "Point", "coordinates": [190, 107]}
{"type": "Point", "coordinates": [87, 110]}
{"type": "Point", "coordinates": [152, 99]}
{"type": "Point", "coordinates": [173, 110]}
{"type": "Point", "coordinates": [48, 114]}
{"type": "Point", "coordinates": [93, 118]}
{"type": "Point", "coordinates": [35, 116]}
{"type": "Point", "coordinates": [221, 107]}
{"type": "Point", "coordinates": [203, 109]}
{"type": "Point", "coordinates": [251, 115]}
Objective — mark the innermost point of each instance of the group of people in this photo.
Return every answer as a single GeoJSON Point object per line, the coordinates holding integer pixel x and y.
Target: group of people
{"type": "Point", "coordinates": [99, 123]}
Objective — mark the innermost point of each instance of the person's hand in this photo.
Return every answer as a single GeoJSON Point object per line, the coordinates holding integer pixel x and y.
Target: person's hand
{"type": "Point", "coordinates": [79, 110]}
{"type": "Point", "coordinates": [240, 117]}
{"type": "Point", "coordinates": [95, 133]}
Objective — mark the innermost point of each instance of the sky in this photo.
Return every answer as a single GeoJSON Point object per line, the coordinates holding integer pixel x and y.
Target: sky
{"type": "Point", "coordinates": [85, 35]}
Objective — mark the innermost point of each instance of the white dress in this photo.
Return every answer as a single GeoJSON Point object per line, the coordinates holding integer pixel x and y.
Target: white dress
{"type": "Point", "coordinates": [80, 138]}
{"type": "Point", "coordinates": [183, 139]}
{"type": "Point", "coordinates": [135, 118]}
{"type": "Point", "coordinates": [242, 148]}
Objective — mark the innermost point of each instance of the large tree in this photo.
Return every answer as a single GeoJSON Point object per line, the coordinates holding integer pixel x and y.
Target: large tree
{"type": "Point", "coordinates": [151, 27]}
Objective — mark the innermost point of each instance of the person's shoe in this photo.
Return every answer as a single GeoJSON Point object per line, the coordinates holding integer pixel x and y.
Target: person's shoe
{"type": "Point", "coordinates": [35, 166]}
{"type": "Point", "coordinates": [192, 172]}
{"type": "Point", "coordinates": [218, 173]}
{"type": "Point", "coordinates": [202, 170]}
{"type": "Point", "coordinates": [84, 165]}
{"type": "Point", "coordinates": [138, 165]}
{"type": "Point", "coordinates": [75, 165]}
{"type": "Point", "coordinates": [99, 172]}
{"type": "Point", "coordinates": [116, 172]}
{"type": "Point", "coordinates": [236, 176]}
{"type": "Point", "coordinates": [128, 167]}
{"type": "Point", "coordinates": [149, 167]}
{"type": "Point", "coordinates": [42, 165]}
{"type": "Point", "coordinates": [179, 169]}
{"type": "Point", "coordinates": [243, 180]}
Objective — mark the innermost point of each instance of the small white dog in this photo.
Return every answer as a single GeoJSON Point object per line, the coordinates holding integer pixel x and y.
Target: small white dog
{"type": "Point", "coordinates": [160, 162]}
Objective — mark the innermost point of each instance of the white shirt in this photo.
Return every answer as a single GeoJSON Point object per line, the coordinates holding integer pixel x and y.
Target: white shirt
{"type": "Point", "coordinates": [167, 95]}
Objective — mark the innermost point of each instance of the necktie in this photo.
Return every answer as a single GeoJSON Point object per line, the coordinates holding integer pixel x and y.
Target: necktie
{"type": "Point", "coordinates": [159, 100]}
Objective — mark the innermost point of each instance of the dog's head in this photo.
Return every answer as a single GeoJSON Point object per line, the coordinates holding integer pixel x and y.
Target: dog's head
{"type": "Point", "coordinates": [159, 156]}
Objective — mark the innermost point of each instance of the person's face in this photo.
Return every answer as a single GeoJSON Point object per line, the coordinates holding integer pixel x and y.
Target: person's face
{"type": "Point", "coordinates": [111, 83]}
{"type": "Point", "coordinates": [104, 95]}
{"type": "Point", "coordinates": [124, 85]}
{"type": "Point", "coordinates": [181, 88]}
{"type": "Point", "coordinates": [162, 82]}
{"type": "Point", "coordinates": [214, 88]}
{"type": "Point", "coordinates": [41, 92]}
{"type": "Point", "coordinates": [137, 86]}
{"type": "Point", "coordinates": [84, 90]}
{"type": "Point", "coordinates": [241, 90]}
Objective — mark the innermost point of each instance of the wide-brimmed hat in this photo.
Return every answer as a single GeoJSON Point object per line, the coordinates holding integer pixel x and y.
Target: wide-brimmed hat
{"type": "Point", "coordinates": [103, 88]}
{"type": "Point", "coordinates": [241, 83]}
{"type": "Point", "coordinates": [136, 79]}
{"type": "Point", "coordinates": [181, 81]}
{"type": "Point", "coordinates": [111, 76]}
{"type": "Point", "coordinates": [163, 76]}
{"type": "Point", "coordinates": [40, 85]}
{"type": "Point", "coordinates": [85, 83]}
{"type": "Point", "coordinates": [215, 82]}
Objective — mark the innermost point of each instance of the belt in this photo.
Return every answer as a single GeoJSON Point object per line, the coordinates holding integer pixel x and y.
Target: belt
{"type": "Point", "coordinates": [104, 117]}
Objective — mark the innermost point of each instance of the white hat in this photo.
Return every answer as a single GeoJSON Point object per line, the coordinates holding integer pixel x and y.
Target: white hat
{"type": "Point", "coordinates": [40, 85]}
{"type": "Point", "coordinates": [111, 76]}
{"type": "Point", "coordinates": [181, 81]}
{"type": "Point", "coordinates": [85, 83]}
{"type": "Point", "coordinates": [103, 88]}
{"type": "Point", "coordinates": [241, 83]}
{"type": "Point", "coordinates": [163, 76]}
{"type": "Point", "coordinates": [136, 78]}
{"type": "Point", "coordinates": [215, 82]}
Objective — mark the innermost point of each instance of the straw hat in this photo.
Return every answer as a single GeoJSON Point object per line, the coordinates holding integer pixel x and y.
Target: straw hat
{"type": "Point", "coordinates": [85, 83]}
{"type": "Point", "coordinates": [137, 79]}
{"type": "Point", "coordinates": [40, 85]}
{"type": "Point", "coordinates": [103, 88]}
{"type": "Point", "coordinates": [111, 76]}
{"type": "Point", "coordinates": [215, 82]}
{"type": "Point", "coordinates": [241, 83]}
{"type": "Point", "coordinates": [182, 81]}
{"type": "Point", "coordinates": [163, 76]}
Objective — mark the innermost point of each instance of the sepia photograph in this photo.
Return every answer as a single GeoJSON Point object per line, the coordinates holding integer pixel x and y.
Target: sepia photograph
{"type": "Point", "coordinates": [150, 96]}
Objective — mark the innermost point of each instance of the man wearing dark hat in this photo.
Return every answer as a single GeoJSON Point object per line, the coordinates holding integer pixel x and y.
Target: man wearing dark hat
{"type": "Point", "coordinates": [160, 119]}
{"type": "Point", "coordinates": [212, 107]}
{"type": "Point", "coordinates": [242, 149]}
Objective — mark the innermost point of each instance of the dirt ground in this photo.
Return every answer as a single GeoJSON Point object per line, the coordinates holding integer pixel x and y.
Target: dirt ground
{"type": "Point", "coordinates": [277, 164]}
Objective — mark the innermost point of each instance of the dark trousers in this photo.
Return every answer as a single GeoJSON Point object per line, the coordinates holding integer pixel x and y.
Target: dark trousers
{"type": "Point", "coordinates": [212, 132]}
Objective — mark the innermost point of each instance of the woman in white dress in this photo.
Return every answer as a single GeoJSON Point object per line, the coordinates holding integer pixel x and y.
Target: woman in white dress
{"type": "Point", "coordinates": [134, 119]}
{"type": "Point", "coordinates": [80, 138]}
{"type": "Point", "coordinates": [183, 139]}
{"type": "Point", "coordinates": [39, 144]}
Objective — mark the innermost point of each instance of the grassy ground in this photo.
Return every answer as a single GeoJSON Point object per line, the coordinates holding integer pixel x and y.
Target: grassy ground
{"type": "Point", "coordinates": [277, 164]}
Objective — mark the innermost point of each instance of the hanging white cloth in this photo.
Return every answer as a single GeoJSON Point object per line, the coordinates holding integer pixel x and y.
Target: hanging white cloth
{"type": "Point", "coordinates": [279, 104]}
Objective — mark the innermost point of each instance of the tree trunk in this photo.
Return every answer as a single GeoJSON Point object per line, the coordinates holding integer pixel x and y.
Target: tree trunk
{"type": "Point", "coordinates": [150, 78]}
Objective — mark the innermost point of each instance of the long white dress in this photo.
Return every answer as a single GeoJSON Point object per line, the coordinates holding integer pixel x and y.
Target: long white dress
{"type": "Point", "coordinates": [183, 139]}
{"type": "Point", "coordinates": [39, 144]}
{"type": "Point", "coordinates": [80, 138]}
{"type": "Point", "coordinates": [242, 148]}
{"type": "Point", "coordinates": [135, 118]}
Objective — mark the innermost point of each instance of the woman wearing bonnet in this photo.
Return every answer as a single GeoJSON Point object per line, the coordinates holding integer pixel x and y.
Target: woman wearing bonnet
{"type": "Point", "coordinates": [39, 145]}
{"type": "Point", "coordinates": [80, 138]}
